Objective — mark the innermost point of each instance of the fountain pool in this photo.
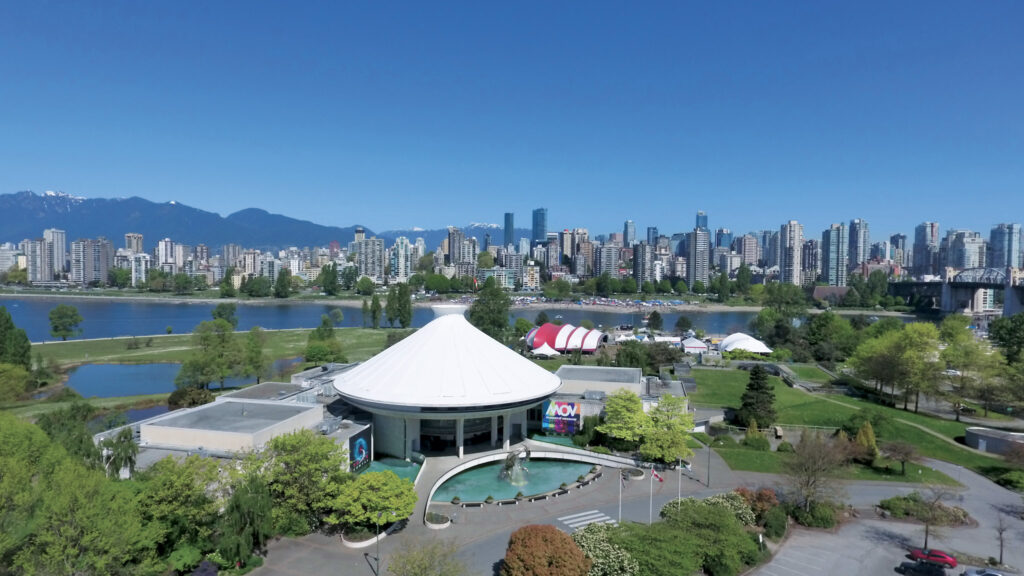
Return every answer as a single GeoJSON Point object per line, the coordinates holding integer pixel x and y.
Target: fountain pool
{"type": "Point", "coordinates": [476, 484]}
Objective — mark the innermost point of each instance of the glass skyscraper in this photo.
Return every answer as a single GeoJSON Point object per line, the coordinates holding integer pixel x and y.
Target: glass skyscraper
{"type": "Point", "coordinates": [540, 226]}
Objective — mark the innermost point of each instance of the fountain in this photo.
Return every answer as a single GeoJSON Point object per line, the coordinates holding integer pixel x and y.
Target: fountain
{"type": "Point", "coordinates": [514, 470]}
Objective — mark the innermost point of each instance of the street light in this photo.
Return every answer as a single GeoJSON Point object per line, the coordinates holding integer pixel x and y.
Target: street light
{"type": "Point", "coordinates": [376, 559]}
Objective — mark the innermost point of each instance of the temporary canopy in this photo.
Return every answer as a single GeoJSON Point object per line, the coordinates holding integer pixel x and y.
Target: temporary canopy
{"type": "Point", "coordinates": [694, 346]}
{"type": "Point", "coordinates": [741, 341]}
{"type": "Point", "coordinates": [546, 350]}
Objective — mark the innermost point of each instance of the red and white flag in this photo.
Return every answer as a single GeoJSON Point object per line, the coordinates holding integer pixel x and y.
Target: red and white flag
{"type": "Point", "coordinates": [658, 476]}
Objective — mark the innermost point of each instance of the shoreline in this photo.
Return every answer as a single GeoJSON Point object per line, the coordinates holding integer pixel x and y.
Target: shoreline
{"type": "Point", "coordinates": [357, 303]}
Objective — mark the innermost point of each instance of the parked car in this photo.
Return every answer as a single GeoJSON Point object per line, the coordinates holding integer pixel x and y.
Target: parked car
{"type": "Point", "coordinates": [933, 556]}
{"type": "Point", "coordinates": [921, 569]}
{"type": "Point", "coordinates": [982, 572]}
{"type": "Point", "coordinates": [951, 372]}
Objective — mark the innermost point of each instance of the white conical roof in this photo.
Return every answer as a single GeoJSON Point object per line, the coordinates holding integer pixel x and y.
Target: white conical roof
{"type": "Point", "coordinates": [448, 363]}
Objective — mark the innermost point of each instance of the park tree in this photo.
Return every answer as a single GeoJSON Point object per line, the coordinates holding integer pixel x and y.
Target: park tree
{"type": "Point", "coordinates": [247, 522]}
{"type": "Point", "coordinates": [1008, 334]}
{"type": "Point", "coordinates": [375, 310]}
{"type": "Point", "coordinates": [485, 260]}
{"type": "Point", "coordinates": [404, 305]}
{"type": "Point", "coordinates": [901, 452]}
{"type": "Point", "coordinates": [918, 359]}
{"type": "Point", "coordinates": [177, 504]}
{"type": "Point", "coordinates": [15, 347]}
{"type": "Point", "coordinates": [373, 499]}
{"type": "Point", "coordinates": [433, 557]}
{"type": "Point", "coordinates": [322, 346]}
{"type": "Point", "coordinates": [758, 401]}
{"type": "Point", "coordinates": [15, 382]}
{"type": "Point", "coordinates": [120, 452]}
{"type": "Point", "coordinates": [366, 313]}
{"type": "Point", "coordinates": [557, 289]}
{"type": "Point", "coordinates": [654, 321]}
{"type": "Point", "coordinates": [365, 286]}
{"type": "Point", "coordinates": [391, 306]}
{"type": "Point", "coordinates": [64, 321]}
{"type": "Point", "coordinates": [337, 316]}
{"type": "Point", "coordinates": [541, 319]}
{"type": "Point", "coordinates": [226, 311]}
{"type": "Point", "coordinates": [683, 324]}
{"type": "Point", "coordinates": [543, 550]}
{"type": "Point", "coordinates": [866, 445]}
{"type": "Point", "coordinates": [988, 382]}
{"type": "Point", "coordinates": [810, 472]}
{"type": "Point", "coordinates": [283, 284]}
{"type": "Point", "coordinates": [216, 355]}
{"type": "Point", "coordinates": [182, 284]}
{"type": "Point", "coordinates": [120, 277]}
{"type": "Point", "coordinates": [348, 277]}
{"type": "Point", "coordinates": [258, 287]}
{"type": "Point", "coordinates": [878, 360]}
{"type": "Point", "coordinates": [328, 279]}
{"type": "Point", "coordinates": [226, 286]}
{"type": "Point", "coordinates": [631, 354]}
{"type": "Point", "coordinates": [625, 420]}
{"type": "Point", "coordinates": [489, 312]}
{"type": "Point", "coordinates": [188, 397]}
{"type": "Point", "coordinates": [667, 430]}
{"type": "Point", "coordinates": [68, 427]}
{"type": "Point", "coordinates": [628, 285]}
{"type": "Point", "coordinates": [306, 473]}
{"type": "Point", "coordinates": [521, 327]}
{"type": "Point", "coordinates": [831, 337]}
{"type": "Point", "coordinates": [255, 362]}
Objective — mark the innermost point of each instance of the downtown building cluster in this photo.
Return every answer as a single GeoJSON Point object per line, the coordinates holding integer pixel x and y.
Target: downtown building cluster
{"type": "Point", "coordinates": [788, 254]}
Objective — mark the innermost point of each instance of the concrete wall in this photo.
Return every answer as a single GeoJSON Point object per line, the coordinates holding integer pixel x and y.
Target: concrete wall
{"type": "Point", "coordinates": [389, 435]}
{"type": "Point", "coordinates": [308, 419]}
{"type": "Point", "coordinates": [193, 439]}
{"type": "Point", "coordinates": [993, 441]}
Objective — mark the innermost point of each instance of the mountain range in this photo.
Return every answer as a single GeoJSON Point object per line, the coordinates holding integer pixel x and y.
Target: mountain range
{"type": "Point", "coordinates": [26, 214]}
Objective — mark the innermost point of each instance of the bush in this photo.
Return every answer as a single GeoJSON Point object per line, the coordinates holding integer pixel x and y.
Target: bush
{"type": "Point", "coordinates": [819, 516]}
{"type": "Point", "coordinates": [600, 450]}
{"type": "Point", "coordinates": [759, 443]}
{"type": "Point", "coordinates": [608, 559]}
{"type": "Point", "coordinates": [734, 503]}
{"type": "Point", "coordinates": [913, 506]}
{"type": "Point", "coordinates": [587, 432]}
{"type": "Point", "coordinates": [785, 447]}
{"type": "Point", "coordinates": [543, 549]}
{"type": "Point", "coordinates": [1014, 480]}
{"type": "Point", "coordinates": [760, 502]}
{"type": "Point", "coordinates": [775, 522]}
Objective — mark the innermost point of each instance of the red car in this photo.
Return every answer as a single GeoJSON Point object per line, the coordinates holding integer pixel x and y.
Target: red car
{"type": "Point", "coordinates": [933, 556]}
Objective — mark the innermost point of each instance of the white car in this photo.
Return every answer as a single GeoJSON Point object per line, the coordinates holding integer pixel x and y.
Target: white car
{"type": "Point", "coordinates": [951, 372]}
{"type": "Point", "coordinates": [982, 572]}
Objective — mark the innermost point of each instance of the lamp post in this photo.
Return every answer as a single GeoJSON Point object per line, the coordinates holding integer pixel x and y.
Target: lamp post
{"type": "Point", "coordinates": [376, 559]}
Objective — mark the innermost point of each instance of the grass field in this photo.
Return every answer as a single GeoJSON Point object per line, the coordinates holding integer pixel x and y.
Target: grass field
{"type": "Point", "coordinates": [31, 409]}
{"type": "Point", "coordinates": [358, 343]}
{"type": "Point", "coordinates": [810, 373]}
{"type": "Point", "coordinates": [723, 388]}
{"type": "Point", "coordinates": [773, 462]}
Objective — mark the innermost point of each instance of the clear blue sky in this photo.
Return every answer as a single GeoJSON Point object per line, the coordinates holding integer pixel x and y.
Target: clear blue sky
{"type": "Point", "coordinates": [435, 113]}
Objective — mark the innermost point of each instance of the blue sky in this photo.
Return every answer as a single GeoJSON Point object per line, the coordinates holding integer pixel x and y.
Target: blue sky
{"type": "Point", "coordinates": [427, 114]}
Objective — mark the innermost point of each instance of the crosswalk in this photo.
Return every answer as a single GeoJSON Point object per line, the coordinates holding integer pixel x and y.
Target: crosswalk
{"type": "Point", "coordinates": [577, 521]}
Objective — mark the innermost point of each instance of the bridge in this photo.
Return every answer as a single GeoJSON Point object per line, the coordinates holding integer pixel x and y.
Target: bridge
{"type": "Point", "coordinates": [962, 292]}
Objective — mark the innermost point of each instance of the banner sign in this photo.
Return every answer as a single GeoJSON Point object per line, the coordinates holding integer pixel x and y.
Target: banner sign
{"type": "Point", "coordinates": [561, 417]}
{"type": "Point", "coordinates": [359, 450]}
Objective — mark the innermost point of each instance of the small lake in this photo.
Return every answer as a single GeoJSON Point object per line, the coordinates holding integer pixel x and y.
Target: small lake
{"type": "Point", "coordinates": [115, 380]}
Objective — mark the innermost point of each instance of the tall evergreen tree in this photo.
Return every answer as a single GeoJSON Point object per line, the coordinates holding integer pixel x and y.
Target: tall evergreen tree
{"type": "Point", "coordinates": [391, 306]}
{"type": "Point", "coordinates": [758, 402]}
{"type": "Point", "coordinates": [366, 313]}
{"type": "Point", "coordinates": [405, 306]}
{"type": "Point", "coordinates": [375, 311]}
{"type": "Point", "coordinates": [283, 284]}
{"type": "Point", "coordinates": [14, 345]}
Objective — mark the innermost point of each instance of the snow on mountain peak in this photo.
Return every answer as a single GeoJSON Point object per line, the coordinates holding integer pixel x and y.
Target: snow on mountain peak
{"type": "Point", "coordinates": [482, 225]}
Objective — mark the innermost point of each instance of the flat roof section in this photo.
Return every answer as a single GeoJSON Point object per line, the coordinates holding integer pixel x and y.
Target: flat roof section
{"type": "Point", "coordinates": [266, 391]}
{"type": "Point", "coordinates": [600, 374]}
{"type": "Point", "coordinates": [227, 416]}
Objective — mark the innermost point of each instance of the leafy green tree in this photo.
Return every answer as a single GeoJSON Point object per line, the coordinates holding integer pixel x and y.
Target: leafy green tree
{"type": "Point", "coordinates": [543, 549]}
{"type": "Point", "coordinates": [436, 283]}
{"type": "Point", "coordinates": [918, 359]}
{"type": "Point", "coordinates": [628, 286]}
{"type": "Point", "coordinates": [157, 280]}
{"type": "Point", "coordinates": [188, 397]}
{"type": "Point", "coordinates": [489, 312]}
{"type": "Point", "coordinates": [541, 319]}
{"type": "Point", "coordinates": [68, 427]}
{"type": "Point", "coordinates": [349, 277]}
{"type": "Point", "coordinates": [425, 263]}
{"type": "Point", "coordinates": [557, 289]}
{"type": "Point", "coordinates": [1008, 334]}
{"type": "Point", "coordinates": [86, 525]}
{"type": "Point", "coordinates": [324, 351]}
{"type": "Point", "coordinates": [365, 286]}
{"type": "Point", "coordinates": [337, 316]}
{"type": "Point", "coordinates": [64, 321]}
{"type": "Point", "coordinates": [624, 418]}
{"type": "Point", "coordinates": [485, 260]}
{"type": "Point", "coordinates": [682, 287]}
{"type": "Point", "coordinates": [306, 473]}
{"type": "Point", "coordinates": [256, 361]}
{"type": "Point", "coordinates": [15, 382]}
{"type": "Point", "coordinates": [683, 324]}
{"type": "Point", "coordinates": [758, 401]}
{"type": "Point", "coordinates": [120, 277]}
{"type": "Point", "coordinates": [120, 452]}
{"type": "Point", "coordinates": [216, 356]}
{"type": "Point", "coordinates": [177, 504]}
{"type": "Point", "coordinates": [743, 279]}
{"type": "Point", "coordinates": [427, 558]}
{"type": "Point", "coordinates": [283, 284]}
{"type": "Point", "coordinates": [14, 276]}
{"type": "Point", "coordinates": [325, 331]}
{"type": "Point", "coordinates": [226, 311]}
{"type": "Point", "coordinates": [901, 452]}
{"type": "Point", "coordinates": [724, 546]}
{"type": "Point", "coordinates": [366, 313]}
{"type": "Point", "coordinates": [247, 522]}
{"type": "Point", "coordinates": [521, 327]}
{"type": "Point", "coordinates": [867, 446]}
{"type": "Point", "coordinates": [375, 310]}
{"type": "Point", "coordinates": [391, 306]}
{"type": "Point", "coordinates": [787, 299]}
{"type": "Point", "coordinates": [404, 306]}
{"type": "Point", "coordinates": [182, 283]}
{"type": "Point", "coordinates": [258, 287]}
{"type": "Point", "coordinates": [328, 279]}
{"type": "Point", "coordinates": [608, 559]}
{"type": "Point", "coordinates": [655, 321]}
{"type": "Point", "coordinates": [631, 354]}
{"type": "Point", "coordinates": [226, 286]}
{"type": "Point", "coordinates": [15, 347]}
{"type": "Point", "coordinates": [668, 428]}
{"type": "Point", "coordinates": [374, 498]}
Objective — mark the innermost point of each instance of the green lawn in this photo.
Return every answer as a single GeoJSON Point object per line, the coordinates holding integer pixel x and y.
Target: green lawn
{"type": "Point", "coordinates": [774, 463]}
{"type": "Point", "coordinates": [810, 373]}
{"type": "Point", "coordinates": [358, 343]}
{"type": "Point", "coordinates": [32, 409]}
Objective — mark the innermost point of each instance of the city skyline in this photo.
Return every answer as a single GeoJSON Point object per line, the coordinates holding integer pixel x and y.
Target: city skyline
{"type": "Point", "coordinates": [797, 112]}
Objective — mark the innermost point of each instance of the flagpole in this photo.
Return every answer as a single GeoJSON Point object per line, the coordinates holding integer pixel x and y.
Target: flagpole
{"type": "Point", "coordinates": [679, 491]}
{"type": "Point", "coordinates": [622, 479]}
{"type": "Point", "coordinates": [651, 518]}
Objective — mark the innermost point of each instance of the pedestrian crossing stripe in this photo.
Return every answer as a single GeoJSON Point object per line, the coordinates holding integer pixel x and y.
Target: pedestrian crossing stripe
{"type": "Point", "coordinates": [583, 518]}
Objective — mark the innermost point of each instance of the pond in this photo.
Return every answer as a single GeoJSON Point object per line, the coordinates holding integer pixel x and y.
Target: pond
{"type": "Point", "coordinates": [476, 484]}
{"type": "Point", "coordinates": [115, 380]}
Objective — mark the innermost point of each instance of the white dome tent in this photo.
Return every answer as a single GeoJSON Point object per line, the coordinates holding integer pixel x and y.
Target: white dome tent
{"type": "Point", "coordinates": [746, 342]}
{"type": "Point", "coordinates": [446, 380]}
